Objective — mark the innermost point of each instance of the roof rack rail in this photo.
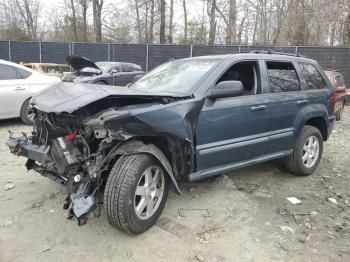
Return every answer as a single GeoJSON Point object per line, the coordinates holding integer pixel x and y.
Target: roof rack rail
{"type": "Point", "coordinates": [270, 51]}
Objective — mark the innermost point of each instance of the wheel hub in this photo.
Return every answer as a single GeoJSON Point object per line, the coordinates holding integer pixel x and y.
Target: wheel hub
{"type": "Point", "coordinates": [310, 151]}
{"type": "Point", "coordinates": [149, 192]}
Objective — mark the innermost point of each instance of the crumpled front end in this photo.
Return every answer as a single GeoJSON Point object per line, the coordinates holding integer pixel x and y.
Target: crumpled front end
{"type": "Point", "coordinates": [62, 149]}
{"type": "Point", "coordinates": [78, 136]}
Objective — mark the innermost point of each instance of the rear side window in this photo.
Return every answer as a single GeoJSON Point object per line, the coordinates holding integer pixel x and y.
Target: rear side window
{"type": "Point", "coordinates": [338, 81]}
{"type": "Point", "coordinates": [10, 73]}
{"type": "Point", "coordinates": [128, 68]}
{"type": "Point", "coordinates": [313, 78]}
{"type": "Point", "coordinates": [282, 77]}
{"type": "Point", "coordinates": [23, 73]}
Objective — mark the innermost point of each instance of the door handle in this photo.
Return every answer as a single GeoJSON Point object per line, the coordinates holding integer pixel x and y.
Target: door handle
{"type": "Point", "coordinates": [258, 108]}
{"type": "Point", "coordinates": [302, 102]}
{"type": "Point", "coordinates": [19, 88]}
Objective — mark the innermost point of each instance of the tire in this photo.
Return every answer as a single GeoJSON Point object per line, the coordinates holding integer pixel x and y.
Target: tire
{"type": "Point", "coordinates": [101, 83]}
{"type": "Point", "coordinates": [25, 115]}
{"type": "Point", "coordinates": [295, 163]}
{"type": "Point", "coordinates": [339, 114]}
{"type": "Point", "coordinates": [121, 198]}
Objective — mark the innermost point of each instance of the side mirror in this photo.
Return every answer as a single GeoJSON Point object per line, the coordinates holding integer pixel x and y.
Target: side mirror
{"type": "Point", "coordinates": [114, 71]}
{"type": "Point", "coordinates": [226, 89]}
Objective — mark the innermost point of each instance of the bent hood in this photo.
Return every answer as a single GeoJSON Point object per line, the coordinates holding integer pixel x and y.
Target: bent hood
{"type": "Point", "coordinates": [69, 97]}
{"type": "Point", "coordinates": [79, 62]}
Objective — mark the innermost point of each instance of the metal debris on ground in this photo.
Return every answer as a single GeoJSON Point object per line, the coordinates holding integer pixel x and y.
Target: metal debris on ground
{"type": "Point", "coordinates": [294, 200]}
{"type": "Point", "coordinates": [333, 200]}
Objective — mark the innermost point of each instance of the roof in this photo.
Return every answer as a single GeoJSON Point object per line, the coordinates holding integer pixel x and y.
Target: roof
{"type": "Point", "coordinates": [254, 55]}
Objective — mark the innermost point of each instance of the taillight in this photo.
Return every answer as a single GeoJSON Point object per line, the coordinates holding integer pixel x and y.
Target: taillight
{"type": "Point", "coordinates": [334, 100]}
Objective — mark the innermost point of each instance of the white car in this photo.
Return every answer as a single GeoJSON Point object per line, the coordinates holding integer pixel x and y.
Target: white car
{"type": "Point", "coordinates": [17, 85]}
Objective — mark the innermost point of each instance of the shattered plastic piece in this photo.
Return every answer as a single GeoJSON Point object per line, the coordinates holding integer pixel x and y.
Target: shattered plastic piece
{"type": "Point", "coordinates": [286, 229]}
{"type": "Point", "coordinates": [82, 205]}
{"type": "Point", "coordinates": [9, 186]}
{"type": "Point", "coordinates": [294, 200]}
{"type": "Point", "coordinates": [333, 200]}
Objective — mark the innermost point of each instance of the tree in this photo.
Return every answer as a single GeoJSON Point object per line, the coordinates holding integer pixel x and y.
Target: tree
{"type": "Point", "coordinates": [185, 21]}
{"type": "Point", "coordinates": [84, 4]}
{"type": "Point", "coordinates": [29, 10]}
{"type": "Point", "coordinates": [171, 17]}
{"type": "Point", "coordinates": [97, 6]}
{"type": "Point", "coordinates": [231, 27]}
{"type": "Point", "coordinates": [162, 22]}
{"type": "Point", "coordinates": [74, 21]}
{"type": "Point", "coordinates": [211, 7]}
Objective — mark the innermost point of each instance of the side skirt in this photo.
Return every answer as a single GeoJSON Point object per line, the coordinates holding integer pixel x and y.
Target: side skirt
{"type": "Point", "coordinates": [234, 166]}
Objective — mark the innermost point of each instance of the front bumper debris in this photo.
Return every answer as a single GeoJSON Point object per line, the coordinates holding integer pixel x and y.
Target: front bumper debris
{"type": "Point", "coordinates": [41, 158]}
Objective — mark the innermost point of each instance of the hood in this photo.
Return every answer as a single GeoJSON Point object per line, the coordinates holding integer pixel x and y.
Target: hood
{"type": "Point", "coordinates": [69, 97]}
{"type": "Point", "coordinates": [79, 62]}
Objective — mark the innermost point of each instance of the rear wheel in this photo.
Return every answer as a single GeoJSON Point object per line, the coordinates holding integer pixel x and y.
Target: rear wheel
{"type": "Point", "coordinates": [27, 112]}
{"type": "Point", "coordinates": [307, 152]}
{"type": "Point", "coordinates": [101, 83]}
{"type": "Point", "coordinates": [135, 194]}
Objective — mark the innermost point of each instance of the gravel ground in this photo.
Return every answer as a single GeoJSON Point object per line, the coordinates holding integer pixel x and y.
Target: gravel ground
{"type": "Point", "coordinates": [240, 216]}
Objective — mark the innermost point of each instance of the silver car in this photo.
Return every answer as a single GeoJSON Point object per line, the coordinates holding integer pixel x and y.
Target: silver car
{"type": "Point", "coordinates": [17, 85]}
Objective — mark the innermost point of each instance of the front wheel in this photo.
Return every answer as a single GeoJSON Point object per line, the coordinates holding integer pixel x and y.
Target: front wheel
{"type": "Point", "coordinates": [307, 152]}
{"type": "Point", "coordinates": [27, 112]}
{"type": "Point", "coordinates": [135, 194]}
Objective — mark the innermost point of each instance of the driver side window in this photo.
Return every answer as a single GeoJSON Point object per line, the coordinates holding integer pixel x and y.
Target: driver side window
{"type": "Point", "coordinates": [248, 73]}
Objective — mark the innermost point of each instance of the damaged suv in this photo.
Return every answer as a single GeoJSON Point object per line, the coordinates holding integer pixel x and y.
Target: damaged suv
{"type": "Point", "coordinates": [186, 120]}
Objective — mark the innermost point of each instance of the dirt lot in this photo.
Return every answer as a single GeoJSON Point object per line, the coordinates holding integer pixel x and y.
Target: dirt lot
{"type": "Point", "coordinates": [241, 216]}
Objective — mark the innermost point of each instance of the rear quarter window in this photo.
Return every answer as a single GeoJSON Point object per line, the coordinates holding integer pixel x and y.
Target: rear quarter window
{"type": "Point", "coordinates": [313, 78]}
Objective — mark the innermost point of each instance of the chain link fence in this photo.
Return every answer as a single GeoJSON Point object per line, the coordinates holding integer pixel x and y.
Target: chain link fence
{"type": "Point", "coordinates": [150, 56]}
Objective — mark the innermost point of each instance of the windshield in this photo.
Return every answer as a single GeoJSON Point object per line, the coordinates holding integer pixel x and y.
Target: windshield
{"type": "Point", "coordinates": [177, 76]}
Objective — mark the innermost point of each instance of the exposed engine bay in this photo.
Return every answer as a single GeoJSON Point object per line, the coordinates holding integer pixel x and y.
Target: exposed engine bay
{"type": "Point", "coordinates": [75, 144]}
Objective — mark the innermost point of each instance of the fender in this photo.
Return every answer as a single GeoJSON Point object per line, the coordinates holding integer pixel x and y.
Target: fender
{"type": "Point", "coordinates": [308, 112]}
{"type": "Point", "coordinates": [136, 146]}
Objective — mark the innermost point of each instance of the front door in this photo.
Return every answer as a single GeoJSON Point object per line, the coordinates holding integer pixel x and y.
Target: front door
{"type": "Point", "coordinates": [233, 129]}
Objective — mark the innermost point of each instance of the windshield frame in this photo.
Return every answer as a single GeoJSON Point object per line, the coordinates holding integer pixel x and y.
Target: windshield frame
{"type": "Point", "coordinates": [217, 60]}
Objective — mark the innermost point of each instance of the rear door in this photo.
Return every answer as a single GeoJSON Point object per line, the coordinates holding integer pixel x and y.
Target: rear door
{"type": "Point", "coordinates": [129, 73]}
{"type": "Point", "coordinates": [316, 86]}
{"type": "Point", "coordinates": [286, 99]}
{"type": "Point", "coordinates": [120, 78]}
{"type": "Point", "coordinates": [14, 89]}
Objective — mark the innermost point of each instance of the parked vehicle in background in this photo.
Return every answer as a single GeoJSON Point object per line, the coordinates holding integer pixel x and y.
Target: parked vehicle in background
{"type": "Point", "coordinates": [337, 80]}
{"type": "Point", "coordinates": [17, 85]}
{"type": "Point", "coordinates": [59, 70]}
{"type": "Point", "coordinates": [104, 73]}
{"type": "Point", "coordinates": [188, 119]}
